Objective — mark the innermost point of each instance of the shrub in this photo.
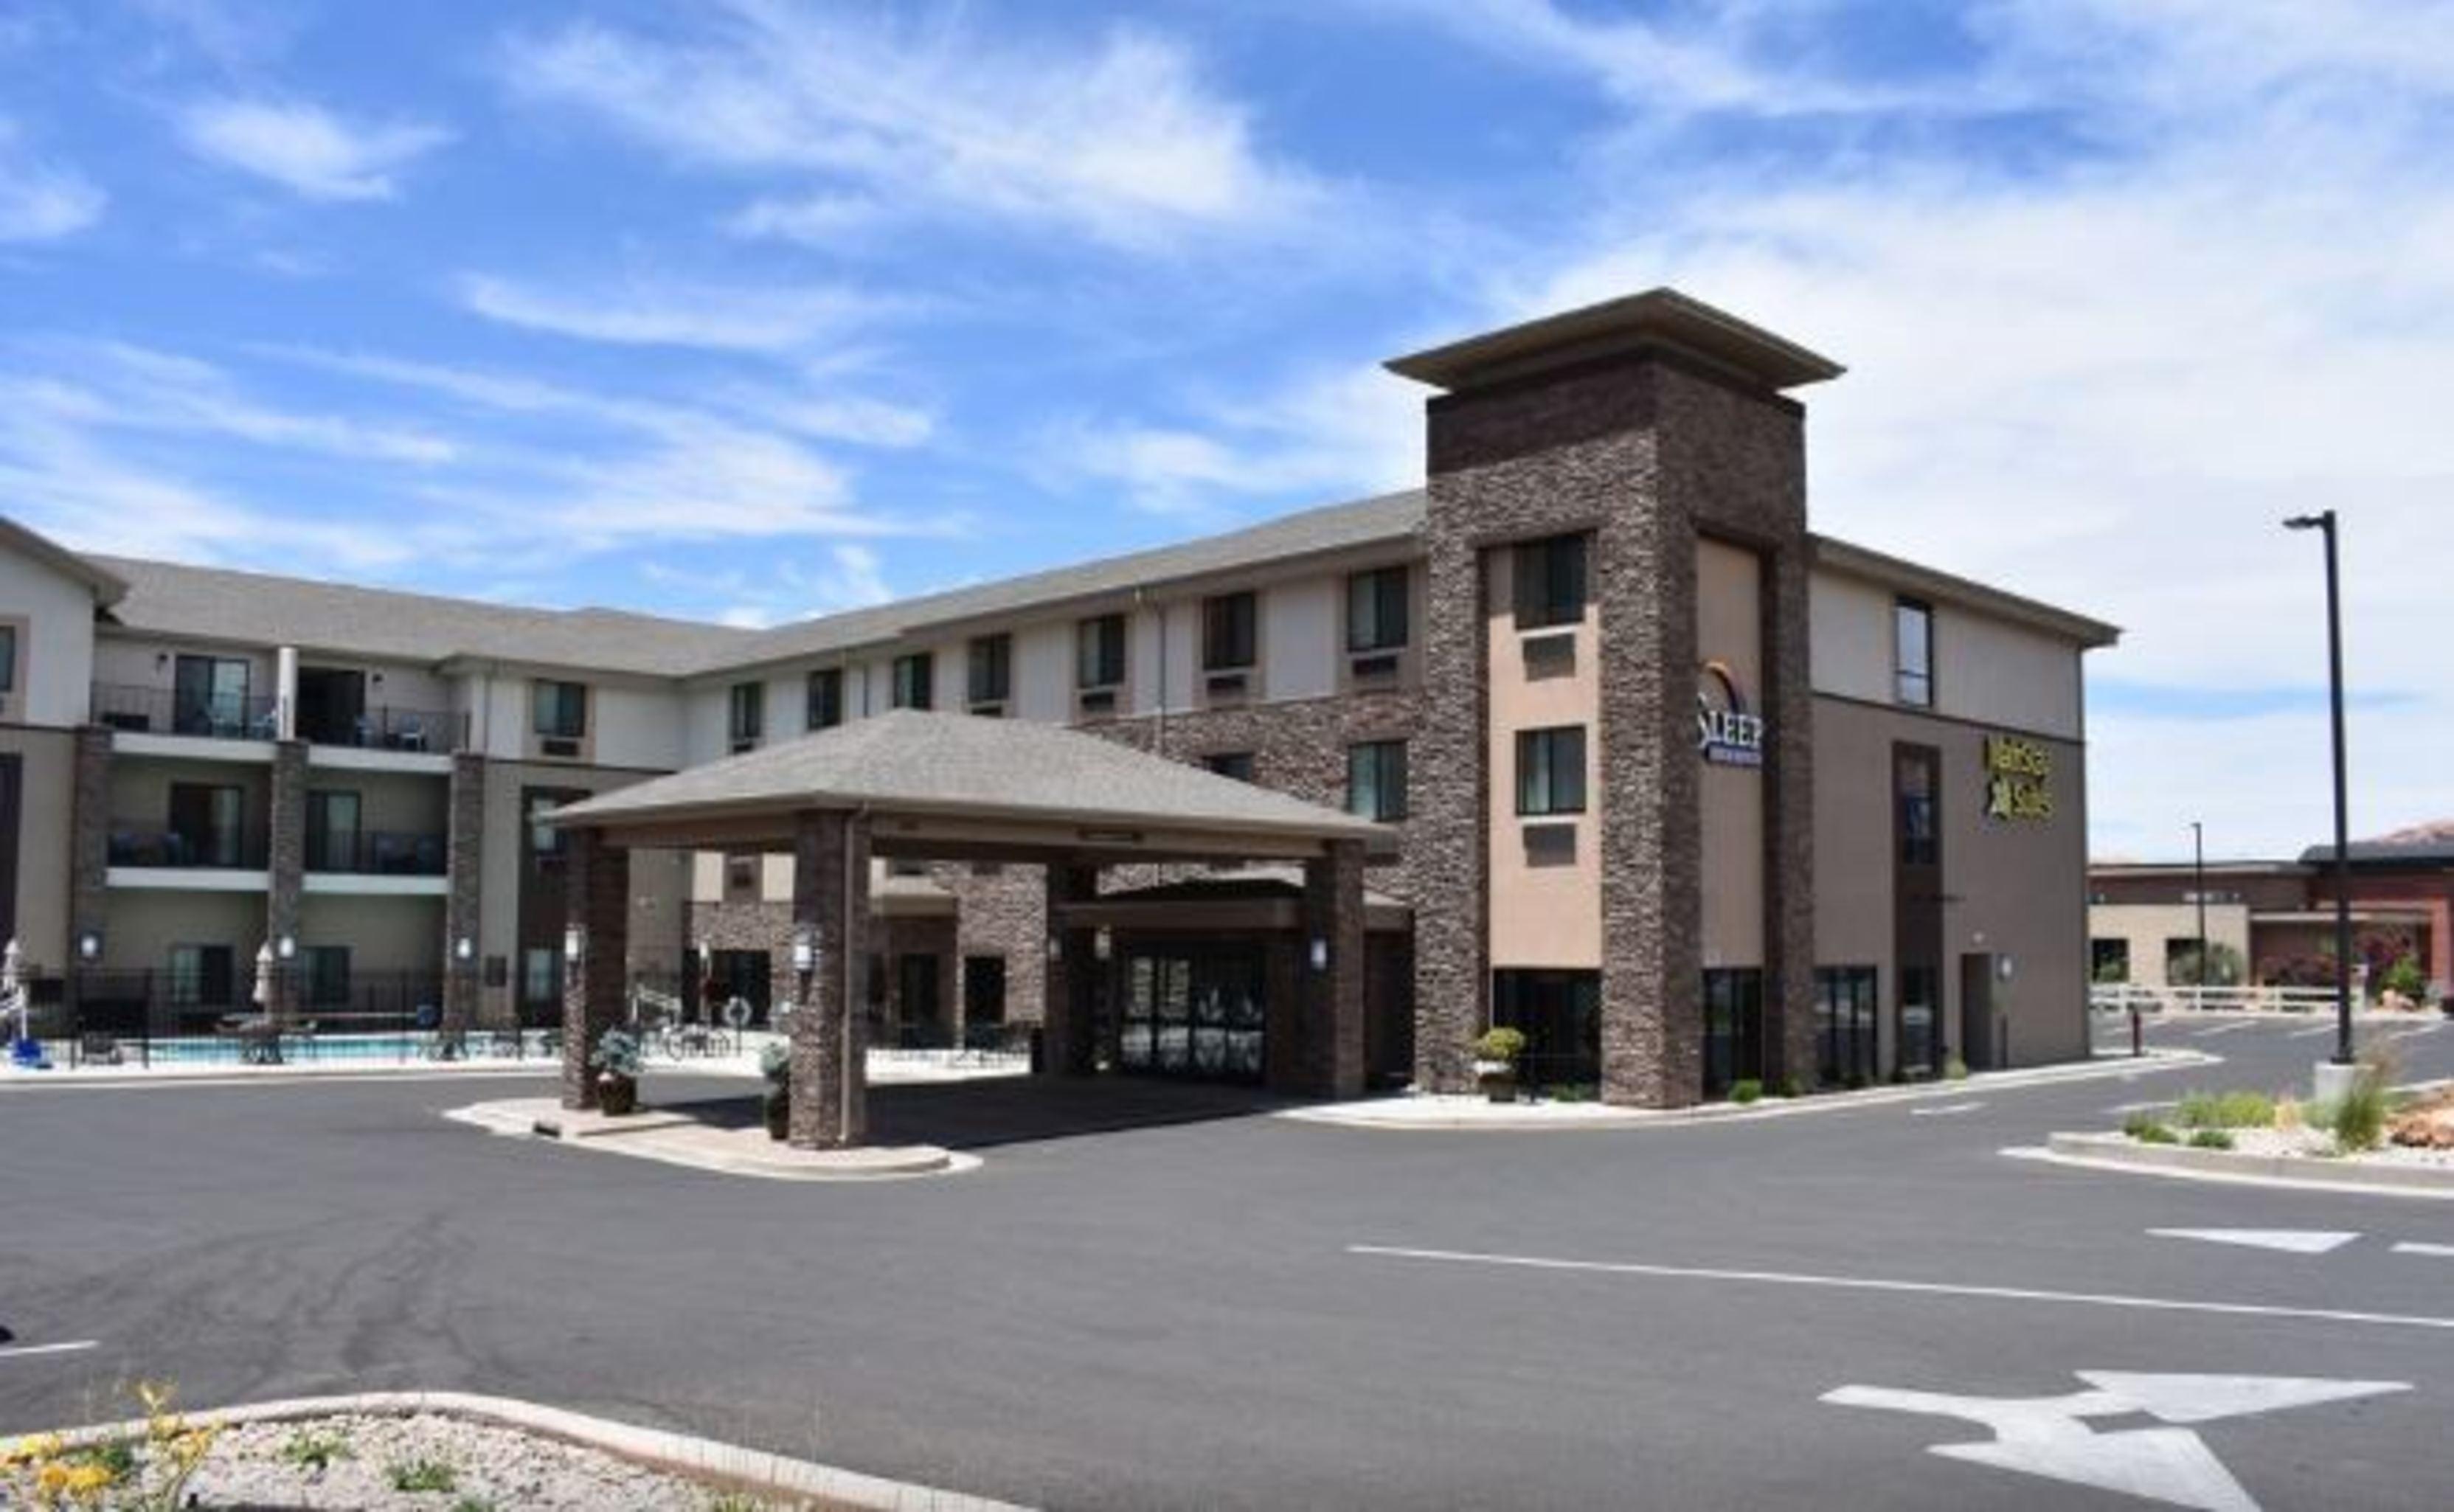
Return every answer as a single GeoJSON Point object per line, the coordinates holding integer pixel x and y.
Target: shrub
{"type": "Point", "coordinates": [2406, 978]}
{"type": "Point", "coordinates": [1746, 1090]}
{"type": "Point", "coordinates": [1571, 1092]}
{"type": "Point", "coordinates": [2289, 1116]}
{"type": "Point", "coordinates": [1955, 1069]}
{"type": "Point", "coordinates": [422, 1475]}
{"type": "Point", "coordinates": [2223, 967]}
{"type": "Point", "coordinates": [1500, 1044]}
{"type": "Point", "coordinates": [776, 1064]}
{"type": "Point", "coordinates": [2146, 1130]}
{"type": "Point", "coordinates": [617, 1052]}
{"type": "Point", "coordinates": [2226, 1110]}
{"type": "Point", "coordinates": [2211, 1138]}
{"type": "Point", "coordinates": [311, 1450]}
{"type": "Point", "coordinates": [1791, 1086]}
{"type": "Point", "coordinates": [2359, 1120]}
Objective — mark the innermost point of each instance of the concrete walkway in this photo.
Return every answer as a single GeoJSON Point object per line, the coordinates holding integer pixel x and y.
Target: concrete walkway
{"type": "Point", "coordinates": [1420, 1110]}
{"type": "Point", "coordinates": [682, 1137]}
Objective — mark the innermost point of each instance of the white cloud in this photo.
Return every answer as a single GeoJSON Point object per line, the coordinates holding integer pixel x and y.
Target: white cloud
{"type": "Point", "coordinates": [1124, 139]}
{"type": "Point", "coordinates": [814, 220]}
{"type": "Point", "coordinates": [651, 312]}
{"type": "Point", "coordinates": [42, 201]}
{"type": "Point", "coordinates": [307, 149]}
{"type": "Point", "coordinates": [2104, 381]}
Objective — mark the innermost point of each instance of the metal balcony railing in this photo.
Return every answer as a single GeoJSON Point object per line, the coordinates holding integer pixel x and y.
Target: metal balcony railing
{"type": "Point", "coordinates": [377, 853]}
{"type": "Point", "coordinates": [165, 710]}
{"type": "Point", "coordinates": [152, 843]}
{"type": "Point", "coordinates": [385, 728]}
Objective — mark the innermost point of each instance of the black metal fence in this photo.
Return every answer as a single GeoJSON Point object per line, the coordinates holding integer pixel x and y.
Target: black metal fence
{"type": "Point", "coordinates": [166, 1017]}
{"type": "Point", "coordinates": [167, 710]}
{"type": "Point", "coordinates": [135, 842]}
{"type": "Point", "coordinates": [377, 853]}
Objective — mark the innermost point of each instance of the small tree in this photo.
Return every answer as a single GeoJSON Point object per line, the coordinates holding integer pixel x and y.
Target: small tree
{"type": "Point", "coordinates": [2404, 976]}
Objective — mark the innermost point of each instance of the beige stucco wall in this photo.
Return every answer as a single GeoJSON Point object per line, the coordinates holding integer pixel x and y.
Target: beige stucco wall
{"type": "Point", "coordinates": [2015, 887]}
{"type": "Point", "coordinates": [1548, 915]}
{"type": "Point", "coordinates": [2149, 926]}
{"type": "Point", "coordinates": [140, 790]}
{"type": "Point", "coordinates": [133, 663]}
{"type": "Point", "coordinates": [47, 773]}
{"type": "Point", "coordinates": [396, 802]}
{"type": "Point", "coordinates": [659, 879]}
{"type": "Point", "coordinates": [146, 923]}
{"type": "Point", "coordinates": [382, 934]}
{"type": "Point", "coordinates": [54, 619]}
{"type": "Point", "coordinates": [1729, 628]}
{"type": "Point", "coordinates": [1985, 668]}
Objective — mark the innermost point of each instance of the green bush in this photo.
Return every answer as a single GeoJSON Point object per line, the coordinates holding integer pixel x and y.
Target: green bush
{"type": "Point", "coordinates": [1955, 1069]}
{"type": "Point", "coordinates": [2147, 1131]}
{"type": "Point", "coordinates": [1571, 1092]}
{"type": "Point", "coordinates": [1792, 1086]}
{"type": "Point", "coordinates": [617, 1052]}
{"type": "Point", "coordinates": [775, 1064]}
{"type": "Point", "coordinates": [310, 1449]}
{"type": "Point", "coordinates": [2405, 977]}
{"type": "Point", "coordinates": [2225, 1110]}
{"type": "Point", "coordinates": [1746, 1090]}
{"type": "Point", "coordinates": [1500, 1044]}
{"type": "Point", "coordinates": [2359, 1120]}
{"type": "Point", "coordinates": [422, 1475]}
{"type": "Point", "coordinates": [2211, 1138]}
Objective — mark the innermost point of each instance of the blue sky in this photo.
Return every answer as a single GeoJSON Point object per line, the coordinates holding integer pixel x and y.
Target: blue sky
{"type": "Point", "coordinates": [754, 309]}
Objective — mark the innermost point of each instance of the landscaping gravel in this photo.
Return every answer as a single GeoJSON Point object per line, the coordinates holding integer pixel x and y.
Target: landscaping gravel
{"type": "Point", "coordinates": [2318, 1143]}
{"type": "Point", "coordinates": [490, 1467]}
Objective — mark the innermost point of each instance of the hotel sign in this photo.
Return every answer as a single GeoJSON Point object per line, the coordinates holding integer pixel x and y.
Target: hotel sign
{"type": "Point", "coordinates": [1728, 733]}
{"type": "Point", "coordinates": [2018, 780]}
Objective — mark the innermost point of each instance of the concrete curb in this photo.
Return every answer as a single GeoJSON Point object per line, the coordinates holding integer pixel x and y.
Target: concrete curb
{"type": "Point", "coordinates": [633, 1137]}
{"type": "Point", "coordinates": [681, 1454]}
{"type": "Point", "coordinates": [121, 1080]}
{"type": "Point", "coordinates": [1467, 1115]}
{"type": "Point", "coordinates": [2117, 1151]}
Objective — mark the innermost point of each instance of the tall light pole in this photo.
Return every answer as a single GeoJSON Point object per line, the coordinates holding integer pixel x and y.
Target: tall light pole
{"type": "Point", "coordinates": [2199, 880]}
{"type": "Point", "coordinates": [2324, 520]}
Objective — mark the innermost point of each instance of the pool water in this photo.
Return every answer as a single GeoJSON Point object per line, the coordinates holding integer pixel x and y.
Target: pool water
{"type": "Point", "coordinates": [381, 1049]}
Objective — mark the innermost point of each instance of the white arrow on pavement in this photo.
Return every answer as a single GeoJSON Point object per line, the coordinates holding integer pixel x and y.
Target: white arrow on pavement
{"type": "Point", "coordinates": [1944, 1111]}
{"type": "Point", "coordinates": [2416, 1248]}
{"type": "Point", "coordinates": [2289, 1240]}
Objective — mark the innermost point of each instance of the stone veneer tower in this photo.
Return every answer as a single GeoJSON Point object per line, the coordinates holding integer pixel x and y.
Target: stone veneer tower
{"type": "Point", "coordinates": [1651, 422]}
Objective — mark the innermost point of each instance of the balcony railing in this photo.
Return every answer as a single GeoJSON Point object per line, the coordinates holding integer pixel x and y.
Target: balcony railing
{"type": "Point", "coordinates": [165, 710]}
{"type": "Point", "coordinates": [377, 853]}
{"type": "Point", "coordinates": [150, 843]}
{"type": "Point", "coordinates": [389, 728]}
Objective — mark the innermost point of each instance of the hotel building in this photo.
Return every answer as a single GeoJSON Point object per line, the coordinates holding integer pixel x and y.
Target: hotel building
{"type": "Point", "coordinates": [1684, 790]}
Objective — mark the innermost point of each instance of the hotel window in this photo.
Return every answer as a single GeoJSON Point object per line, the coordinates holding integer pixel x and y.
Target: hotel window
{"type": "Point", "coordinates": [328, 976]}
{"type": "Point", "coordinates": [1229, 630]}
{"type": "Point", "coordinates": [1099, 652]}
{"type": "Point", "coordinates": [1551, 582]}
{"type": "Point", "coordinates": [2109, 960]}
{"type": "Point", "coordinates": [1376, 609]}
{"type": "Point", "coordinates": [1913, 652]}
{"type": "Point", "coordinates": [1914, 781]}
{"type": "Point", "coordinates": [991, 677]}
{"type": "Point", "coordinates": [913, 675]}
{"type": "Point", "coordinates": [825, 695]}
{"type": "Point", "coordinates": [8, 658]}
{"type": "Point", "coordinates": [559, 710]}
{"type": "Point", "coordinates": [540, 976]}
{"type": "Point", "coordinates": [1376, 779]}
{"type": "Point", "coordinates": [1844, 1025]}
{"type": "Point", "coordinates": [1551, 771]}
{"type": "Point", "coordinates": [201, 977]}
{"type": "Point", "coordinates": [210, 696]}
{"type": "Point", "coordinates": [1559, 1015]}
{"type": "Point", "coordinates": [1237, 764]}
{"type": "Point", "coordinates": [546, 842]}
{"type": "Point", "coordinates": [332, 832]}
{"type": "Point", "coordinates": [207, 825]}
{"type": "Point", "coordinates": [746, 720]}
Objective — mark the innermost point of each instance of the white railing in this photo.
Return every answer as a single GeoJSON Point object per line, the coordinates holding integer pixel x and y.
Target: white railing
{"type": "Point", "coordinates": [2124, 996]}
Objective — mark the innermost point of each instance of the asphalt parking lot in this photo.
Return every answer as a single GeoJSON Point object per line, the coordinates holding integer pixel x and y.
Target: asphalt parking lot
{"type": "Point", "coordinates": [1198, 1305]}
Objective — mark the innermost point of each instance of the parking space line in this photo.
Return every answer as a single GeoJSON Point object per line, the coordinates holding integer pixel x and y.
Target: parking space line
{"type": "Point", "coordinates": [28, 1351]}
{"type": "Point", "coordinates": [2413, 1247]}
{"type": "Point", "coordinates": [1878, 1284]}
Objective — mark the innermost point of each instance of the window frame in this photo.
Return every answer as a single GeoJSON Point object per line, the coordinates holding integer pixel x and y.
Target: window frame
{"type": "Point", "coordinates": [1541, 754]}
{"type": "Point", "coordinates": [911, 681]}
{"type": "Point", "coordinates": [1383, 594]}
{"type": "Point", "coordinates": [1379, 759]}
{"type": "Point", "coordinates": [822, 709]}
{"type": "Point", "coordinates": [1217, 763]}
{"type": "Point", "coordinates": [1230, 623]}
{"type": "Point", "coordinates": [988, 673]}
{"type": "Point", "coordinates": [559, 691]}
{"type": "Point", "coordinates": [9, 639]}
{"type": "Point", "coordinates": [1091, 639]}
{"type": "Point", "coordinates": [745, 714]}
{"type": "Point", "coordinates": [1907, 611]}
{"type": "Point", "coordinates": [1563, 565]}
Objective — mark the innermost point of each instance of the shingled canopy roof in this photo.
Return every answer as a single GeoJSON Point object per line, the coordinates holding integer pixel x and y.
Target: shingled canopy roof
{"type": "Point", "coordinates": [957, 784]}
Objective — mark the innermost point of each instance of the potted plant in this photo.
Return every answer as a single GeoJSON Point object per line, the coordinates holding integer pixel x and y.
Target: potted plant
{"type": "Point", "coordinates": [1495, 1062]}
{"type": "Point", "coordinates": [617, 1059]}
{"type": "Point", "coordinates": [776, 1064]}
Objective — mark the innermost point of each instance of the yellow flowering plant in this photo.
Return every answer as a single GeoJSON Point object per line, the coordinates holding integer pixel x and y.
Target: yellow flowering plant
{"type": "Point", "coordinates": [150, 1474]}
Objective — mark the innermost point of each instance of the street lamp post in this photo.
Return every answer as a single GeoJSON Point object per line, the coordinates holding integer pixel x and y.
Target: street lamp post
{"type": "Point", "coordinates": [2199, 881]}
{"type": "Point", "coordinates": [2324, 521]}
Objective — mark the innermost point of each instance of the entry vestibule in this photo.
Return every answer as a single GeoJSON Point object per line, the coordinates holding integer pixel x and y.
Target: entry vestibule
{"type": "Point", "coordinates": [917, 785]}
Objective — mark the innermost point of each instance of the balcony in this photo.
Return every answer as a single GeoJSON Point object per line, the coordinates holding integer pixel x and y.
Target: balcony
{"type": "Point", "coordinates": [165, 710]}
{"type": "Point", "coordinates": [384, 728]}
{"type": "Point", "coordinates": [377, 853]}
{"type": "Point", "coordinates": [154, 844]}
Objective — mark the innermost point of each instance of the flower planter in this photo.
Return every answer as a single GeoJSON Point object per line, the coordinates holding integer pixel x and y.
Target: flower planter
{"type": "Point", "coordinates": [1497, 1079]}
{"type": "Point", "coordinates": [779, 1117]}
{"type": "Point", "coordinates": [617, 1096]}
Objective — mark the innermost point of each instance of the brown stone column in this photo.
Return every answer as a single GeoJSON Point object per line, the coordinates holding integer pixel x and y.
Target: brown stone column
{"type": "Point", "coordinates": [1332, 991]}
{"type": "Point", "coordinates": [830, 908]}
{"type": "Point", "coordinates": [464, 850]}
{"type": "Point", "coordinates": [1789, 824]}
{"type": "Point", "coordinates": [88, 848]}
{"type": "Point", "coordinates": [598, 903]}
{"type": "Point", "coordinates": [287, 858]}
{"type": "Point", "coordinates": [1068, 1037]}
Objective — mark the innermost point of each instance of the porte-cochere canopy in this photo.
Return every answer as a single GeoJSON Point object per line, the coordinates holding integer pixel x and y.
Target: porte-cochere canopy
{"type": "Point", "coordinates": [953, 786]}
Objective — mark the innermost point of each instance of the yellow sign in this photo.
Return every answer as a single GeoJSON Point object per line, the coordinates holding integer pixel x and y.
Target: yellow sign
{"type": "Point", "coordinates": [2019, 779]}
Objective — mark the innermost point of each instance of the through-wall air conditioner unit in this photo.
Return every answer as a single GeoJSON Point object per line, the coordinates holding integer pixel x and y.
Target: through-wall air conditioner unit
{"type": "Point", "coordinates": [989, 710]}
{"type": "Point", "coordinates": [1095, 701]}
{"type": "Point", "coordinates": [559, 746]}
{"type": "Point", "coordinates": [1378, 667]}
{"type": "Point", "coordinates": [1226, 684]}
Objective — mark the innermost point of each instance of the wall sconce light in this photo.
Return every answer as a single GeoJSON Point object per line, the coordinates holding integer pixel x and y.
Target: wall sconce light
{"type": "Point", "coordinates": [1320, 953]}
{"type": "Point", "coordinates": [805, 950]}
{"type": "Point", "coordinates": [464, 950]}
{"type": "Point", "coordinates": [1055, 947]}
{"type": "Point", "coordinates": [287, 947]}
{"type": "Point", "coordinates": [575, 944]}
{"type": "Point", "coordinates": [1102, 944]}
{"type": "Point", "coordinates": [161, 661]}
{"type": "Point", "coordinates": [89, 946]}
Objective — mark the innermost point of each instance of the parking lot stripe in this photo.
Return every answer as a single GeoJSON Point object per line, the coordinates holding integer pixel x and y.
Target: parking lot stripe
{"type": "Point", "coordinates": [27, 1351]}
{"type": "Point", "coordinates": [1878, 1284]}
{"type": "Point", "coordinates": [2445, 1251]}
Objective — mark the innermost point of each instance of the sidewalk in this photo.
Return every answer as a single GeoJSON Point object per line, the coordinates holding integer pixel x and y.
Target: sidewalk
{"type": "Point", "coordinates": [885, 1067]}
{"type": "Point", "coordinates": [678, 1137]}
{"type": "Point", "coordinates": [1428, 1111]}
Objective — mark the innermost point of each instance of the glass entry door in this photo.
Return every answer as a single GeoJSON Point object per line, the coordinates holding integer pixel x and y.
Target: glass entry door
{"type": "Point", "coordinates": [1194, 1011]}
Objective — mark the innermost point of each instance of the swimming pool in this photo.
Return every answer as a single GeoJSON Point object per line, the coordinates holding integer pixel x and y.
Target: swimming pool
{"type": "Point", "coordinates": [389, 1049]}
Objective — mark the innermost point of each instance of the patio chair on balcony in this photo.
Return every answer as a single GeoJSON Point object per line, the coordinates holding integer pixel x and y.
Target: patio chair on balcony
{"type": "Point", "coordinates": [412, 735]}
